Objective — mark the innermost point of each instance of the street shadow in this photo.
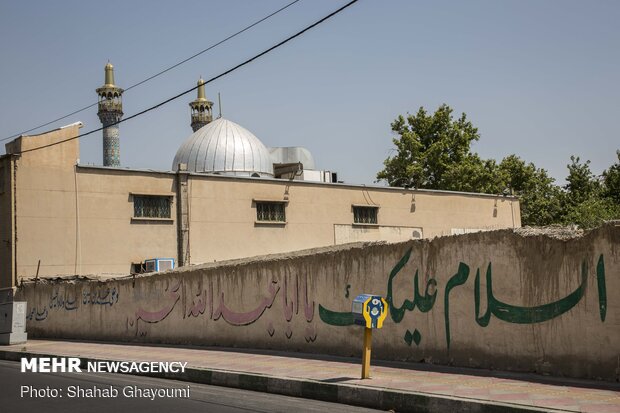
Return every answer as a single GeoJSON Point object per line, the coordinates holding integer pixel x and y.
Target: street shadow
{"type": "Point", "coordinates": [338, 379]}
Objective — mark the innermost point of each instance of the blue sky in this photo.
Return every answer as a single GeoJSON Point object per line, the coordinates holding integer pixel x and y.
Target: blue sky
{"type": "Point", "coordinates": [540, 79]}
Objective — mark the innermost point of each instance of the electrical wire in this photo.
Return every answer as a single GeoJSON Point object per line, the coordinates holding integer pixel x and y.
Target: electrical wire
{"type": "Point", "coordinates": [161, 72]}
{"type": "Point", "coordinates": [197, 86]}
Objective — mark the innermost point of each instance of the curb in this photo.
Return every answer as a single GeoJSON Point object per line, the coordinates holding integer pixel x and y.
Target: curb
{"type": "Point", "coordinates": [356, 395]}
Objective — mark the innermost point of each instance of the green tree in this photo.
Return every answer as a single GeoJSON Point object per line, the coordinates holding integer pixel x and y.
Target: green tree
{"type": "Point", "coordinates": [611, 181]}
{"type": "Point", "coordinates": [588, 201]}
{"type": "Point", "coordinates": [473, 174]}
{"type": "Point", "coordinates": [592, 212]}
{"type": "Point", "coordinates": [428, 147]}
{"type": "Point", "coordinates": [582, 184]}
{"type": "Point", "coordinates": [433, 151]}
{"type": "Point", "coordinates": [540, 199]}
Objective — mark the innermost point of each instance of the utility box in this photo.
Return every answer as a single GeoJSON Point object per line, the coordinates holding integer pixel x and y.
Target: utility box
{"type": "Point", "coordinates": [12, 319]}
{"type": "Point", "coordinates": [369, 310]}
{"type": "Point", "coordinates": [158, 264]}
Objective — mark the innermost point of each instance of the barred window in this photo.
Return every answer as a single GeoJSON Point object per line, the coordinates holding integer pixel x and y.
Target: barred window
{"type": "Point", "coordinates": [365, 214]}
{"type": "Point", "coordinates": [270, 212]}
{"type": "Point", "coordinates": [151, 206]}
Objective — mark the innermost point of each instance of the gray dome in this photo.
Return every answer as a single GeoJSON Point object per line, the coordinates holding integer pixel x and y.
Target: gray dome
{"type": "Point", "coordinates": [226, 148]}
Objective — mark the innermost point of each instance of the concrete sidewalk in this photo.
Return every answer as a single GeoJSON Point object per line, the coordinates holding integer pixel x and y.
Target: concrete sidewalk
{"type": "Point", "coordinates": [392, 386]}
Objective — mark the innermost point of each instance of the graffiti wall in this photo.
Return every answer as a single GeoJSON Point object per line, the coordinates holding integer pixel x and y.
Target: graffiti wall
{"type": "Point", "coordinates": [495, 300]}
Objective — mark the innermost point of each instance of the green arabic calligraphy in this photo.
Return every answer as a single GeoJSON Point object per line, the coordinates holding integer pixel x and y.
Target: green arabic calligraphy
{"type": "Point", "coordinates": [457, 279]}
{"type": "Point", "coordinates": [602, 289]}
{"type": "Point", "coordinates": [424, 303]}
{"type": "Point", "coordinates": [525, 315]}
{"type": "Point", "coordinates": [501, 310]}
{"type": "Point", "coordinates": [530, 315]}
{"type": "Point", "coordinates": [335, 318]}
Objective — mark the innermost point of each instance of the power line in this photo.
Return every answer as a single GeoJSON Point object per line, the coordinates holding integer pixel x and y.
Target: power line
{"type": "Point", "coordinates": [161, 72]}
{"type": "Point", "coordinates": [135, 115]}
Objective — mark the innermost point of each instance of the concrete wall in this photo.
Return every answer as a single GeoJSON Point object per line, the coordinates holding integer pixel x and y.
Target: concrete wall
{"type": "Point", "coordinates": [495, 300]}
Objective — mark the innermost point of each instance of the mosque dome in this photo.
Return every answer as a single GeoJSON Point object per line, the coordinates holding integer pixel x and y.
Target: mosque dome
{"type": "Point", "coordinates": [223, 147]}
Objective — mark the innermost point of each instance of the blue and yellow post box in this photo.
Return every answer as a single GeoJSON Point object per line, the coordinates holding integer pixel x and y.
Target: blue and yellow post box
{"type": "Point", "coordinates": [369, 311]}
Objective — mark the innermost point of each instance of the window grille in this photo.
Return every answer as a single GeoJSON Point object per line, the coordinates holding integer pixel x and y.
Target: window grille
{"type": "Point", "coordinates": [365, 215]}
{"type": "Point", "coordinates": [151, 206]}
{"type": "Point", "coordinates": [270, 211]}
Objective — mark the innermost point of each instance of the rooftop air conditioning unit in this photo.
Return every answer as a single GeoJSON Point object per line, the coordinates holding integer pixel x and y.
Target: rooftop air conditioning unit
{"type": "Point", "coordinates": [159, 264]}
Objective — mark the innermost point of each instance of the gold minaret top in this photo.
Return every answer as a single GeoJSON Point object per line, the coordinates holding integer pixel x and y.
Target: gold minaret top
{"type": "Point", "coordinates": [201, 108]}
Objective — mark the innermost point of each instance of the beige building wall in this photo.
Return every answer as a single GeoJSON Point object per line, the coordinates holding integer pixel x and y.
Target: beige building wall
{"type": "Point", "coordinates": [223, 215]}
{"type": "Point", "coordinates": [72, 220]}
{"type": "Point", "coordinates": [110, 238]}
{"type": "Point", "coordinates": [60, 218]}
{"type": "Point", "coordinates": [44, 207]}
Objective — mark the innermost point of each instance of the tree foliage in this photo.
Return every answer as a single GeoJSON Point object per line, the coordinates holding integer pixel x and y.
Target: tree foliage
{"type": "Point", "coordinates": [428, 147]}
{"type": "Point", "coordinates": [581, 182]}
{"type": "Point", "coordinates": [591, 213]}
{"type": "Point", "coordinates": [611, 181]}
{"type": "Point", "coordinates": [540, 198]}
{"type": "Point", "coordinates": [588, 200]}
{"type": "Point", "coordinates": [433, 151]}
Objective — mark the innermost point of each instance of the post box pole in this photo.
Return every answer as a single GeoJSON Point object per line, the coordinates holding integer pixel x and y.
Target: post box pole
{"type": "Point", "coordinates": [366, 353]}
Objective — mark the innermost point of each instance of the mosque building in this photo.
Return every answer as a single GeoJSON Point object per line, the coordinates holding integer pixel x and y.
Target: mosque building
{"type": "Point", "coordinates": [226, 196]}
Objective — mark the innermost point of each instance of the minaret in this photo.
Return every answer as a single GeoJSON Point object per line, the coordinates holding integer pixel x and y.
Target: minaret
{"type": "Point", "coordinates": [201, 108]}
{"type": "Point", "coordinates": [110, 112]}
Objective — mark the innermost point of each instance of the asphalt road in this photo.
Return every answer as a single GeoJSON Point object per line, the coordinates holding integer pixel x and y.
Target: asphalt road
{"type": "Point", "coordinates": [69, 392]}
